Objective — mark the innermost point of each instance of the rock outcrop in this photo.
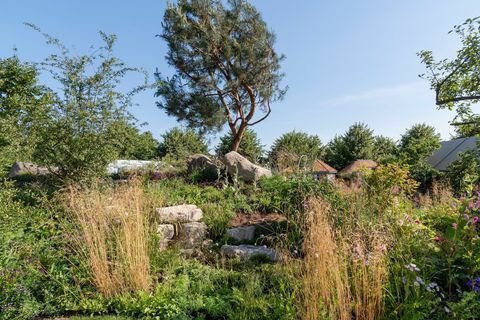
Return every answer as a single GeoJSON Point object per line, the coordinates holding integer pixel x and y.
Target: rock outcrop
{"type": "Point", "coordinates": [182, 225]}
{"type": "Point", "coordinates": [247, 171]}
{"type": "Point", "coordinates": [181, 213]}
{"type": "Point", "coordinates": [201, 162]}
{"type": "Point", "coordinates": [26, 168]}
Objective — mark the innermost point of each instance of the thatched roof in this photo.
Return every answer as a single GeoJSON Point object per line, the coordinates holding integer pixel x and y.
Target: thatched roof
{"type": "Point", "coordinates": [358, 165]}
{"type": "Point", "coordinates": [322, 167]}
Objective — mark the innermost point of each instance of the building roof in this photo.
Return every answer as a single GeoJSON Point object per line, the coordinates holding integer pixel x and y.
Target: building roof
{"type": "Point", "coordinates": [320, 166]}
{"type": "Point", "coordinates": [449, 150]}
{"type": "Point", "coordinates": [358, 165]}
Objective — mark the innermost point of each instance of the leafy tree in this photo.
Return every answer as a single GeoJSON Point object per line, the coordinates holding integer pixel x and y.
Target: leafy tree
{"type": "Point", "coordinates": [23, 101]}
{"type": "Point", "coordinates": [76, 136]}
{"type": "Point", "coordinates": [227, 70]}
{"type": "Point", "coordinates": [418, 143]}
{"type": "Point", "coordinates": [464, 173]}
{"type": "Point", "coordinates": [357, 143]}
{"type": "Point", "coordinates": [296, 148]}
{"type": "Point", "coordinates": [456, 82]}
{"type": "Point", "coordinates": [250, 146]}
{"type": "Point", "coordinates": [177, 144]}
{"type": "Point", "coordinates": [385, 150]}
{"type": "Point", "coordinates": [131, 144]}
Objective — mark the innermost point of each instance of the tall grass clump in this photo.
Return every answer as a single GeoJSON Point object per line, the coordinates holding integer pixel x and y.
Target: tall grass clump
{"type": "Point", "coordinates": [113, 227]}
{"type": "Point", "coordinates": [346, 262]}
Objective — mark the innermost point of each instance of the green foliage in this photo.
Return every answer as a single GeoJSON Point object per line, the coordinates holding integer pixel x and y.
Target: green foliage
{"type": "Point", "coordinates": [385, 150]}
{"type": "Point", "coordinates": [23, 101]}
{"type": "Point", "coordinates": [131, 144]}
{"type": "Point", "coordinates": [178, 143]}
{"type": "Point", "coordinates": [464, 173]}
{"type": "Point", "coordinates": [357, 143]}
{"type": "Point", "coordinates": [418, 143]}
{"type": "Point", "coordinates": [296, 148]}
{"type": "Point", "coordinates": [227, 70]}
{"type": "Point", "coordinates": [455, 81]}
{"type": "Point", "coordinates": [76, 135]}
{"type": "Point", "coordinates": [250, 146]}
{"type": "Point", "coordinates": [37, 268]}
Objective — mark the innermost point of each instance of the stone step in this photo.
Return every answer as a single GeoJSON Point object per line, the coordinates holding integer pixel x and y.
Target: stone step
{"type": "Point", "coordinates": [247, 252]}
{"type": "Point", "coordinates": [181, 213]}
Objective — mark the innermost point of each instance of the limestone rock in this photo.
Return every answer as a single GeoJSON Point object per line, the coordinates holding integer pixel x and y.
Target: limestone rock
{"type": "Point", "coordinates": [181, 213]}
{"type": "Point", "coordinates": [238, 165]}
{"type": "Point", "coordinates": [166, 233]}
{"type": "Point", "coordinates": [25, 168]}
{"type": "Point", "coordinates": [246, 233]}
{"type": "Point", "coordinates": [199, 161]}
{"type": "Point", "coordinates": [246, 252]}
{"type": "Point", "coordinates": [192, 234]}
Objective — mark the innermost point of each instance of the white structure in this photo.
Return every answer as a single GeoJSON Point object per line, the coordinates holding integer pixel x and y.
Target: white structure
{"type": "Point", "coordinates": [119, 166]}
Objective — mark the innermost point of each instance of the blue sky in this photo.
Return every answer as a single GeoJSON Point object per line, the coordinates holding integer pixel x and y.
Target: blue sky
{"type": "Point", "coordinates": [347, 61]}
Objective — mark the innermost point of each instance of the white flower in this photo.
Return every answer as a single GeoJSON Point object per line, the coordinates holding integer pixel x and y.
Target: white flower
{"type": "Point", "coordinates": [412, 267]}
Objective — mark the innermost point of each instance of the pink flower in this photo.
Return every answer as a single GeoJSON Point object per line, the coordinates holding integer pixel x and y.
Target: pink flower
{"type": "Point", "coordinates": [466, 217]}
{"type": "Point", "coordinates": [454, 226]}
{"type": "Point", "coordinates": [437, 239]}
{"type": "Point", "coordinates": [475, 219]}
{"type": "Point", "coordinates": [417, 221]}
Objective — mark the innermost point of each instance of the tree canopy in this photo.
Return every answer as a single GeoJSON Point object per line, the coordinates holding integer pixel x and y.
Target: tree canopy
{"type": "Point", "coordinates": [227, 70]}
{"type": "Point", "coordinates": [418, 143]}
{"type": "Point", "coordinates": [76, 136]}
{"type": "Point", "coordinates": [178, 143]}
{"type": "Point", "coordinates": [295, 149]}
{"type": "Point", "coordinates": [356, 143]}
{"type": "Point", "coordinates": [23, 101]}
{"type": "Point", "coordinates": [456, 82]}
{"type": "Point", "coordinates": [250, 146]}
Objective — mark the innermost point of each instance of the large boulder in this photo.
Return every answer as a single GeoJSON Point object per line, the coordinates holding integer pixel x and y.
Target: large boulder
{"type": "Point", "coordinates": [25, 168]}
{"type": "Point", "coordinates": [181, 213]}
{"type": "Point", "coordinates": [247, 171]}
{"type": "Point", "coordinates": [201, 162]}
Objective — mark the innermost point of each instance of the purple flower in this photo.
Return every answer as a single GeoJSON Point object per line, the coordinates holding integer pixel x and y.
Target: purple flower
{"type": "Point", "coordinates": [466, 216]}
{"type": "Point", "coordinates": [475, 219]}
{"type": "Point", "coordinates": [454, 226]}
{"type": "Point", "coordinates": [474, 284]}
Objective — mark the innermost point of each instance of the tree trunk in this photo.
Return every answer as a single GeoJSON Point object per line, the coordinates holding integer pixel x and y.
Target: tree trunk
{"type": "Point", "coordinates": [237, 137]}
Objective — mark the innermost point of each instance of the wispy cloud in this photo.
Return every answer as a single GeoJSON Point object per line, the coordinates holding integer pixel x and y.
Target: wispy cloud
{"type": "Point", "coordinates": [376, 94]}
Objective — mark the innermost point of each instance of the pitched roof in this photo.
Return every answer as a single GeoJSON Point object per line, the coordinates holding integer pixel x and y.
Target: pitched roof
{"type": "Point", "coordinates": [320, 166]}
{"type": "Point", "coordinates": [449, 150]}
{"type": "Point", "coordinates": [358, 165]}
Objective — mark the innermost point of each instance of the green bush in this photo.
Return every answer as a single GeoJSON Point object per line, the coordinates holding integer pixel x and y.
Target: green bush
{"type": "Point", "coordinates": [250, 146]}
{"type": "Point", "coordinates": [178, 143]}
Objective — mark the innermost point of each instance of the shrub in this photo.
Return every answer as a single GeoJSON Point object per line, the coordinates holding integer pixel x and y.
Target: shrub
{"type": "Point", "coordinates": [356, 143]}
{"type": "Point", "coordinates": [463, 174]}
{"type": "Point", "coordinates": [75, 136]}
{"type": "Point", "coordinates": [250, 146]}
{"type": "Point", "coordinates": [295, 149]}
{"type": "Point", "coordinates": [177, 144]}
